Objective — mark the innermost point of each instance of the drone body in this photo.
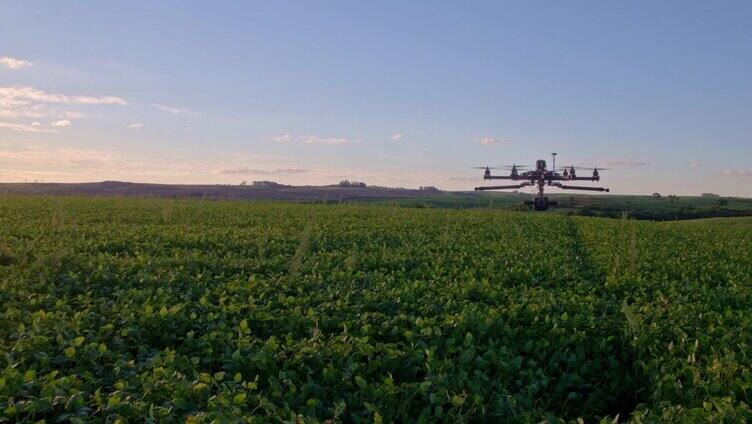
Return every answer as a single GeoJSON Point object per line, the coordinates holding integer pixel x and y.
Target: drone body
{"type": "Point", "coordinates": [541, 177]}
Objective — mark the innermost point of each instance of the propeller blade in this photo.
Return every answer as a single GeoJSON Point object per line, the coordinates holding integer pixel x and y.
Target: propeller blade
{"type": "Point", "coordinates": [484, 167]}
{"type": "Point", "coordinates": [590, 168]}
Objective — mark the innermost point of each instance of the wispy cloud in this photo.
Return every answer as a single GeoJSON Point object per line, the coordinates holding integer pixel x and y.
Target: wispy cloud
{"type": "Point", "coordinates": [25, 128]}
{"type": "Point", "coordinates": [71, 115]}
{"type": "Point", "coordinates": [18, 96]}
{"type": "Point", "coordinates": [398, 137]}
{"type": "Point", "coordinates": [107, 100]}
{"type": "Point", "coordinates": [746, 173]}
{"type": "Point", "coordinates": [13, 63]}
{"type": "Point", "coordinates": [19, 103]}
{"type": "Point", "coordinates": [62, 123]}
{"type": "Point", "coordinates": [136, 126]}
{"type": "Point", "coordinates": [257, 171]}
{"type": "Point", "coordinates": [174, 110]}
{"type": "Point", "coordinates": [34, 111]}
{"type": "Point", "coordinates": [695, 164]}
{"type": "Point", "coordinates": [489, 141]}
{"type": "Point", "coordinates": [40, 156]}
{"type": "Point", "coordinates": [310, 139]}
{"type": "Point", "coordinates": [624, 162]}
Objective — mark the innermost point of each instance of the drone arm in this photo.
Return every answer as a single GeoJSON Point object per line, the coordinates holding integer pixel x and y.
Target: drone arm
{"type": "Point", "coordinates": [499, 177]}
{"type": "Point", "coordinates": [502, 187]}
{"type": "Point", "coordinates": [584, 178]}
{"type": "Point", "coordinates": [568, 187]}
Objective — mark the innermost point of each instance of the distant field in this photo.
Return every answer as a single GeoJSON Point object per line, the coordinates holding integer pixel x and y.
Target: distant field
{"type": "Point", "coordinates": [190, 310]}
{"type": "Point", "coordinates": [614, 206]}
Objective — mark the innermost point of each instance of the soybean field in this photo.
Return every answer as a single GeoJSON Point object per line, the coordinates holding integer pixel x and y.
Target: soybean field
{"type": "Point", "coordinates": [159, 310]}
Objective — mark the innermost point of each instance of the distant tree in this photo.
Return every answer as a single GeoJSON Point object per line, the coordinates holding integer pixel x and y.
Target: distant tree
{"type": "Point", "coordinates": [672, 198]}
{"type": "Point", "coordinates": [722, 202]}
{"type": "Point", "coordinates": [428, 188]}
{"type": "Point", "coordinates": [264, 183]}
{"type": "Point", "coordinates": [244, 183]}
{"type": "Point", "coordinates": [354, 184]}
{"type": "Point", "coordinates": [713, 195]}
{"type": "Point", "coordinates": [656, 195]}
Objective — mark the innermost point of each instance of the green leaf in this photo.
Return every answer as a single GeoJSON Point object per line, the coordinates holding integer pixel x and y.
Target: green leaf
{"type": "Point", "coordinates": [239, 399]}
{"type": "Point", "coordinates": [458, 400]}
{"type": "Point", "coordinates": [360, 381]}
{"type": "Point", "coordinates": [340, 408]}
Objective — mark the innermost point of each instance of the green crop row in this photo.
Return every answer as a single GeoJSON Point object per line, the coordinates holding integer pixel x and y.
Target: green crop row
{"type": "Point", "coordinates": [195, 311]}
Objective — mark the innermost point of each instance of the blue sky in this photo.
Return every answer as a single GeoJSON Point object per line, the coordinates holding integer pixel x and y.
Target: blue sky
{"type": "Point", "coordinates": [394, 93]}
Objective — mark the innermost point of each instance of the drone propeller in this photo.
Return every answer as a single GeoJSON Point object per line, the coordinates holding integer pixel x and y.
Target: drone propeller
{"type": "Point", "coordinates": [589, 168]}
{"type": "Point", "coordinates": [515, 166]}
{"type": "Point", "coordinates": [484, 167]}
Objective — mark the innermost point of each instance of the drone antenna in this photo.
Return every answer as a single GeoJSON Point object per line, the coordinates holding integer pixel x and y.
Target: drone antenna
{"type": "Point", "coordinates": [553, 160]}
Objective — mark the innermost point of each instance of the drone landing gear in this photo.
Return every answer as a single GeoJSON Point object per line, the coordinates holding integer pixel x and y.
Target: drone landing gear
{"type": "Point", "coordinates": [541, 203]}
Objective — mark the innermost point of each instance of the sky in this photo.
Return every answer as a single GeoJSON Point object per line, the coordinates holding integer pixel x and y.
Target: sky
{"type": "Point", "coordinates": [390, 93]}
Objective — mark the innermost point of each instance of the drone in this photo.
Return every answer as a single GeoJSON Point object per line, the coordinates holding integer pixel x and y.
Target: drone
{"type": "Point", "coordinates": [541, 177]}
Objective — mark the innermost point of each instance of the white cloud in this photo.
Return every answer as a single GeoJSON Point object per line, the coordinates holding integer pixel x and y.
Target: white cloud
{"type": "Point", "coordinates": [398, 137]}
{"type": "Point", "coordinates": [23, 128]}
{"type": "Point", "coordinates": [285, 138]}
{"type": "Point", "coordinates": [310, 139]}
{"type": "Point", "coordinates": [71, 114]}
{"type": "Point", "coordinates": [20, 103]}
{"type": "Point", "coordinates": [174, 110]}
{"type": "Point", "coordinates": [36, 124]}
{"type": "Point", "coordinates": [256, 171]}
{"type": "Point", "coordinates": [695, 164]}
{"type": "Point", "coordinates": [746, 173]}
{"type": "Point", "coordinates": [35, 111]}
{"type": "Point", "coordinates": [107, 100]}
{"type": "Point", "coordinates": [325, 140]}
{"type": "Point", "coordinates": [135, 126]}
{"type": "Point", "coordinates": [17, 96]}
{"type": "Point", "coordinates": [488, 141]}
{"type": "Point", "coordinates": [12, 63]}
